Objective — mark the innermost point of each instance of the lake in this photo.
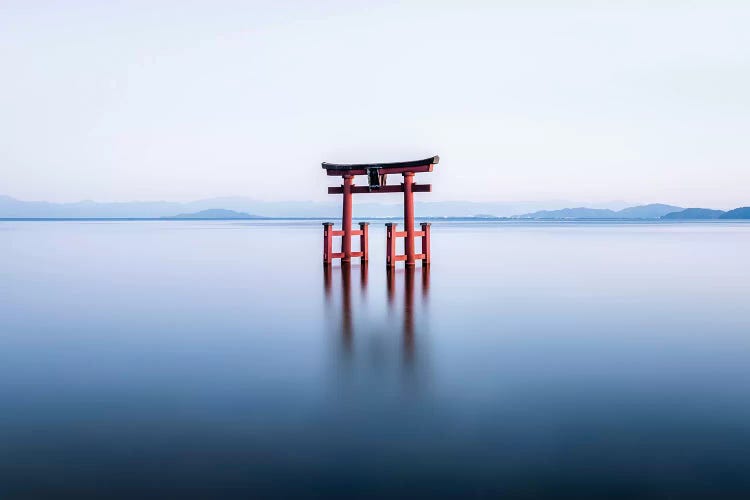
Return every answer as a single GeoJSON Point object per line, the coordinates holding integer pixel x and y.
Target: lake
{"type": "Point", "coordinates": [217, 359]}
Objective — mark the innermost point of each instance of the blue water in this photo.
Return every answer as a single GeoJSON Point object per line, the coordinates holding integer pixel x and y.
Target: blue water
{"type": "Point", "coordinates": [171, 359]}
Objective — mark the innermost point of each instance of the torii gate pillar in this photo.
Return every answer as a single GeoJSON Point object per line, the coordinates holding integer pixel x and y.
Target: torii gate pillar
{"type": "Point", "coordinates": [346, 219]}
{"type": "Point", "coordinates": [376, 177]}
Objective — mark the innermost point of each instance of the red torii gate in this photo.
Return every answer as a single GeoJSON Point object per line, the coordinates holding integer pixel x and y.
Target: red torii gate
{"type": "Point", "coordinates": [376, 183]}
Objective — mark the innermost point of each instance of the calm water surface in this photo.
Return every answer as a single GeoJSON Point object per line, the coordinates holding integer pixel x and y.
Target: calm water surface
{"type": "Point", "coordinates": [218, 360]}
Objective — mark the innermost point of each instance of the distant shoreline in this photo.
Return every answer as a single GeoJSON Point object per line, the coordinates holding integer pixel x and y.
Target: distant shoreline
{"type": "Point", "coordinates": [363, 219]}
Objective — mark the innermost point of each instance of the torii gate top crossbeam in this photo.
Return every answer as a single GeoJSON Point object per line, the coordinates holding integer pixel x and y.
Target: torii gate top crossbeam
{"type": "Point", "coordinates": [424, 165]}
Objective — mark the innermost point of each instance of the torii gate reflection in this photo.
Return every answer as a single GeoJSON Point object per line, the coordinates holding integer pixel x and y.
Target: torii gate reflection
{"type": "Point", "coordinates": [408, 276]}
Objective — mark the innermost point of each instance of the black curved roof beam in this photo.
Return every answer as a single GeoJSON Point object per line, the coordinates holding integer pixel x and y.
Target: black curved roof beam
{"type": "Point", "coordinates": [424, 165]}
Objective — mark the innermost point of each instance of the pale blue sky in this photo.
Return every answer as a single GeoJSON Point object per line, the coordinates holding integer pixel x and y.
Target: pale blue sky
{"type": "Point", "coordinates": [641, 101]}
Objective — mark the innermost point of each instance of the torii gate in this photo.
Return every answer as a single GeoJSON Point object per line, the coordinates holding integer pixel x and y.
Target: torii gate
{"type": "Point", "coordinates": [376, 183]}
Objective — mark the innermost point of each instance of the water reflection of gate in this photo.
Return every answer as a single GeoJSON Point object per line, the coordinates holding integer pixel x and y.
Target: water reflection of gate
{"type": "Point", "coordinates": [408, 312]}
{"type": "Point", "coordinates": [410, 320]}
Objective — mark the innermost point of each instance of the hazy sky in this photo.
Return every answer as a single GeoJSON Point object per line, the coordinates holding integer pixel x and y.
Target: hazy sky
{"type": "Point", "coordinates": [527, 100]}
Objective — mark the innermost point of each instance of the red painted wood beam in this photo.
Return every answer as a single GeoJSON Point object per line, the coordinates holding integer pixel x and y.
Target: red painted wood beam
{"type": "Point", "coordinates": [341, 232]}
{"type": "Point", "coordinates": [327, 244]}
{"type": "Point", "coordinates": [425, 243]}
{"type": "Point", "coordinates": [409, 217]}
{"type": "Point", "coordinates": [417, 188]}
{"type": "Point", "coordinates": [346, 219]}
{"type": "Point", "coordinates": [417, 256]}
{"type": "Point", "coordinates": [364, 244]}
{"type": "Point", "coordinates": [402, 234]}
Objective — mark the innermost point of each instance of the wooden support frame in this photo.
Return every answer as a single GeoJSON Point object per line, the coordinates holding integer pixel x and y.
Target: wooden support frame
{"type": "Point", "coordinates": [329, 233]}
{"type": "Point", "coordinates": [391, 237]}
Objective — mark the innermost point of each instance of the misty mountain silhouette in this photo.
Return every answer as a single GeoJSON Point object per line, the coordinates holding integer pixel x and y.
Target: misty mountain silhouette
{"type": "Point", "coordinates": [737, 213]}
{"type": "Point", "coordinates": [364, 206]}
{"type": "Point", "coordinates": [652, 211]}
{"type": "Point", "coordinates": [214, 213]}
{"type": "Point", "coordinates": [694, 213]}
{"type": "Point", "coordinates": [249, 208]}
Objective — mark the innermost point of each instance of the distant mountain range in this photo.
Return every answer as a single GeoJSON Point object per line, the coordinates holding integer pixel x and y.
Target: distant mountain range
{"type": "Point", "coordinates": [737, 213]}
{"type": "Point", "coordinates": [653, 211]}
{"type": "Point", "coordinates": [706, 213]}
{"type": "Point", "coordinates": [13, 208]}
{"type": "Point", "coordinates": [214, 213]}
{"type": "Point", "coordinates": [240, 207]}
{"type": "Point", "coordinates": [694, 213]}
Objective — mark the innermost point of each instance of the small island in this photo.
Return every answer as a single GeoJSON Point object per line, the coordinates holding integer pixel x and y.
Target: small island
{"type": "Point", "coordinates": [214, 213]}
